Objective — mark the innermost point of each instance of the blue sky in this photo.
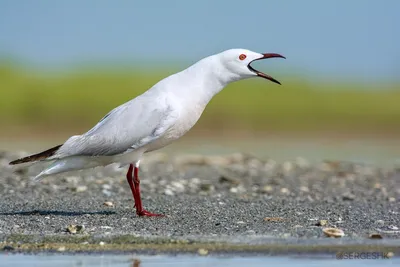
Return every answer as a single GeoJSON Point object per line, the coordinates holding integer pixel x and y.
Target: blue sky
{"type": "Point", "coordinates": [335, 39]}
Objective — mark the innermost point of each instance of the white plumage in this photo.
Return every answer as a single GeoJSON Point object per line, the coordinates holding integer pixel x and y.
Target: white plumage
{"type": "Point", "coordinates": [154, 119]}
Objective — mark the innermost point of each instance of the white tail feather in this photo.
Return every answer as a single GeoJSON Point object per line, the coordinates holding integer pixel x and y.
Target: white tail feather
{"type": "Point", "coordinates": [69, 164]}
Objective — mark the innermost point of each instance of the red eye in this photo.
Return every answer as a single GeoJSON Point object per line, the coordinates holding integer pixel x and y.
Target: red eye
{"type": "Point", "coordinates": [242, 57]}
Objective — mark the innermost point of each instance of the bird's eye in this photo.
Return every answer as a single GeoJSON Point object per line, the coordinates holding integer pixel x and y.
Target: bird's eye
{"type": "Point", "coordinates": [242, 57]}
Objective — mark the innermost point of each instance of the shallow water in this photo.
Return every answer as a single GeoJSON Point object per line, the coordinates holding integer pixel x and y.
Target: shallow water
{"type": "Point", "coordinates": [81, 260]}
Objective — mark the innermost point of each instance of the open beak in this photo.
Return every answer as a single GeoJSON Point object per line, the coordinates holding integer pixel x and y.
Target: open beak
{"type": "Point", "coordinates": [263, 75]}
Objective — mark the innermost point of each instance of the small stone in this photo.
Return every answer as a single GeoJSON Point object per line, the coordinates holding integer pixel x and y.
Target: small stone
{"type": "Point", "coordinates": [206, 187]}
{"type": "Point", "coordinates": [375, 236]}
{"type": "Point", "coordinates": [81, 188]}
{"type": "Point", "coordinates": [106, 186]}
{"type": "Point", "coordinates": [348, 196]}
{"type": "Point", "coordinates": [267, 189]}
{"type": "Point", "coordinates": [108, 204]}
{"type": "Point", "coordinates": [72, 179]}
{"type": "Point", "coordinates": [106, 192]}
{"type": "Point", "coordinates": [179, 187]}
{"type": "Point", "coordinates": [102, 243]}
{"type": "Point", "coordinates": [333, 232]}
{"type": "Point", "coordinates": [304, 189]}
{"type": "Point", "coordinates": [392, 199]}
{"type": "Point", "coordinates": [240, 222]}
{"type": "Point", "coordinates": [250, 232]}
{"type": "Point", "coordinates": [71, 229]}
{"type": "Point", "coordinates": [322, 223]}
{"type": "Point", "coordinates": [392, 227]}
{"type": "Point", "coordinates": [380, 222]}
{"type": "Point", "coordinates": [80, 228]}
{"type": "Point", "coordinates": [74, 229]}
{"type": "Point", "coordinates": [202, 252]}
{"type": "Point", "coordinates": [61, 249]}
{"type": "Point", "coordinates": [234, 190]}
{"type": "Point", "coordinates": [284, 190]}
{"type": "Point", "coordinates": [169, 192]}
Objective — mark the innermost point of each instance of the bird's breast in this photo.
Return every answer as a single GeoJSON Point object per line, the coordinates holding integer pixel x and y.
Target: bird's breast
{"type": "Point", "coordinates": [187, 119]}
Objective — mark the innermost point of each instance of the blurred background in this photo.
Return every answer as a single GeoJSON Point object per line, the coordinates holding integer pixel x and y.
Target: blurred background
{"type": "Point", "coordinates": [65, 64]}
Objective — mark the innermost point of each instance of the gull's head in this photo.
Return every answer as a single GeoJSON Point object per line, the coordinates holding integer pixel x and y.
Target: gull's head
{"type": "Point", "coordinates": [238, 63]}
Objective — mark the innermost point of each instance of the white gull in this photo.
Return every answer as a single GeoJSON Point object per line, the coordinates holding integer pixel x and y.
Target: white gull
{"type": "Point", "coordinates": [152, 120]}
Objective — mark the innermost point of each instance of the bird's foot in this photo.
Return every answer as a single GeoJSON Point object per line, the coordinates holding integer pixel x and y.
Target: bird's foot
{"type": "Point", "coordinates": [149, 214]}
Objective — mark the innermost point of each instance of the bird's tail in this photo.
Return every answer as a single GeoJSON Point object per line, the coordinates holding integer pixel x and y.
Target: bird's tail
{"type": "Point", "coordinates": [39, 156]}
{"type": "Point", "coordinates": [68, 164]}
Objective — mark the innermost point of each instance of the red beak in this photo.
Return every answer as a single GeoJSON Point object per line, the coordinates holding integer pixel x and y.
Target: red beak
{"type": "Point", "coordinates": [261, 74]}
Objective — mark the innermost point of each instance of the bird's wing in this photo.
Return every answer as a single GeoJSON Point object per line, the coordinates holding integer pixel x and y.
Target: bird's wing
{"type": "Point", "coordinates": [126, 128]}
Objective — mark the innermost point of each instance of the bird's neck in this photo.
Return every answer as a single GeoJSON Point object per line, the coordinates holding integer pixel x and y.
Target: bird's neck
{"type": "Point", "coordinates": [205, 79]}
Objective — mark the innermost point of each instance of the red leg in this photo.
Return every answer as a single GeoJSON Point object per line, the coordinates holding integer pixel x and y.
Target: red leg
{"type": "Point", "coordinates": [134, 183]}
{"type": "Point", "coordinates": [139, 207]}
{"type": "Point", "coordinates": [129, 177]}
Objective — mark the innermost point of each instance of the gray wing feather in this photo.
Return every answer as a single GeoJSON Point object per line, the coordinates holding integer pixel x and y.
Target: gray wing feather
{"type": "Point", "coordinates": [127, 127]}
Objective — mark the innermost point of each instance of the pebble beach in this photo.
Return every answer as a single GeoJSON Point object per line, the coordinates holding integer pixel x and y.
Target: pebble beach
{"type": "Point", "coordinates": [233, 201]}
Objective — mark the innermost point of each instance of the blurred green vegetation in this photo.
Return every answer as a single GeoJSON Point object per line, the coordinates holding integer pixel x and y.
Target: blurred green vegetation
{"type": "Point", "coordinates": [79, 99]}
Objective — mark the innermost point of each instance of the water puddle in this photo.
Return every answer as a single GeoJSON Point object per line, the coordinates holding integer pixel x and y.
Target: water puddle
{"type": "Point", "coordinates": [108, 260]}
